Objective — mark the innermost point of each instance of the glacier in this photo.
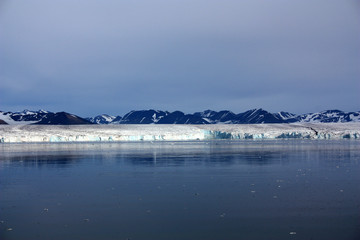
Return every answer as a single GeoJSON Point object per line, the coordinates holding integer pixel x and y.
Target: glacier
{"type": "Point", "coordinates": [119, 133]}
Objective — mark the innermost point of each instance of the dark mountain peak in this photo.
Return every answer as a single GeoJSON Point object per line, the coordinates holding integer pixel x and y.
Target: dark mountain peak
{"type": "Point", "coordinates": [62, 118]}
{"type": "Point", "coordinates": [286, 113]}
{"type": "Point", "coordinates": [259, 115]}
{"type": "Point", "coordinates": [27, 111]}
{"type": "Point", "coordinates": [24, 112]}
{"type": "Point", "coordinates": [255, 109]}
{"type": "Point", "coordinates": [207, 113]}
{"type": "Point", "coordinates": [178, 117]}
{"type": "Point", "coordinates": [223, 116]}
{"type": "Point", "coordinates": [2, 122]}
{"type": "Point", "coordinates": [286, 117]}
{"type": "Point", "coordinates": [211, 116]}
{"type": "Point", "coordinates": [331, 111]}
{"type": "Point", "coordinates": [31, 112]}
{"type": "Point", "coordinates": [252, 111]}
{"type": "Point", "coordinates": [42, 111]}
{"type": "Point", "coordinates": [143, 117]}
{"type": "Point", "coordinates": [177, 113]}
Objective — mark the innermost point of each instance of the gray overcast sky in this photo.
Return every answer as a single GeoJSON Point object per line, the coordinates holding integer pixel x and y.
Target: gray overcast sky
{"type": "Point", "coordinates": [90, 57]}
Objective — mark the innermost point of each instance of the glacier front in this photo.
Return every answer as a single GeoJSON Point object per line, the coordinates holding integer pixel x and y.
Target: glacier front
{"type": "Point", "coordinates": [109, 133]}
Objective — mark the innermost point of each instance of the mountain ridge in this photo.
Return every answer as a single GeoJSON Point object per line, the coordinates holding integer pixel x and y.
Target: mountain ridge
{"type": "Point", "coordinates": [151, 116]}
{"type": "Point", "coordinates": [41, 117]}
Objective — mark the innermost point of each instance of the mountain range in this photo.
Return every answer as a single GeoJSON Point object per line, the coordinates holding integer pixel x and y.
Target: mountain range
{"type": "Point", "coordinates": [41, 117]}
{"type": "Point", "coordinates": [254, 116]}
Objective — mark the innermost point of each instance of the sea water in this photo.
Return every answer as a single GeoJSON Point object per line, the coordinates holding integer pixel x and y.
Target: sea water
{"type": "Point", "coordinates": [291, 189]}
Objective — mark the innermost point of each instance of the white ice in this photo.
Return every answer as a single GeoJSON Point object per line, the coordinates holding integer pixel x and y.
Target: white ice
{"type": "Point", "coordinates": [89, 133]}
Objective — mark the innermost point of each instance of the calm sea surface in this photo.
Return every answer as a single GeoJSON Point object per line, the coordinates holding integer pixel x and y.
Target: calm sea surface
{"type": "Point", "coordinates": [183, 190]}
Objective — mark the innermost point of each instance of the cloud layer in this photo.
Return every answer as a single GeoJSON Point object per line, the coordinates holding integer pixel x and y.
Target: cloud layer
{"type": "Point", "coordinates": [91, 57]}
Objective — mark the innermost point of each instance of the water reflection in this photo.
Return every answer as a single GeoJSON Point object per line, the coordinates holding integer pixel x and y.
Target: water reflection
{"type": "Point", "coordinates": [200, 190]}
{"type": "Point", "coordinates": [175, 154]}
{"type": "Point", "coordinates": [40, 160]}
{"type": "Point", "coordinates": [158, 154]}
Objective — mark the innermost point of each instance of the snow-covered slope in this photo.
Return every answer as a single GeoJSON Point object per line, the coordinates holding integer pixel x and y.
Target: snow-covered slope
{"type": "Point", "coordinates": [330, 116]}
{"type": "Point", "coordinates": [151, 132]}
{"type": "Point", "coordinates": [24, 117]}
{"type": "Point", "coordinates": [101, 119]}
{"type": "Point", "coordinates": [285, 115]}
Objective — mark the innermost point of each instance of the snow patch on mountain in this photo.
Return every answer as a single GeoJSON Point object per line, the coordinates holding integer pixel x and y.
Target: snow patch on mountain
{"type": "Point", "coordinates": [334, 116]}
{"type": "Point", "coordinates": [101, 119]}
{"type": "Point", "coordinates": [22, 118]}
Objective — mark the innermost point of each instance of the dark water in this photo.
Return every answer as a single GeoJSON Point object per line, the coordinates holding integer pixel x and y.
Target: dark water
{"type": "Point", "coordinates": [197, 190]}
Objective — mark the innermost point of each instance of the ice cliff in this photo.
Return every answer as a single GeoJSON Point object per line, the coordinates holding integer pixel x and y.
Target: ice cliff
{"type": "Point", "coordinates": [108, 133]}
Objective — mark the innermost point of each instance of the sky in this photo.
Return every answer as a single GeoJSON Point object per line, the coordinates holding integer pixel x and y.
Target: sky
{"type": "Point", "coordinates": [90, 57]}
